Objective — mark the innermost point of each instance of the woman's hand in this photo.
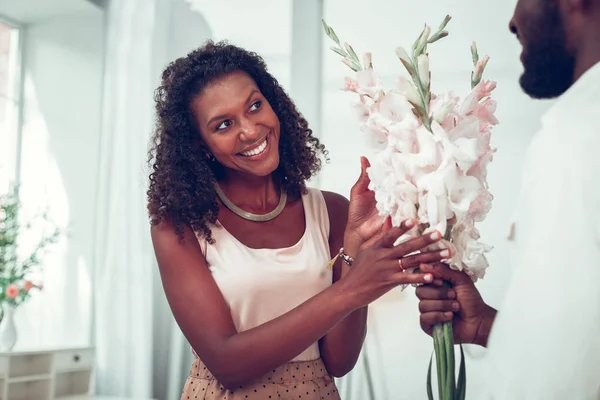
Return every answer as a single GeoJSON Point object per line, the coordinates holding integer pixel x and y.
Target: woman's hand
{"type": "Point", "coordinates": [380, 267]}
{"type": "Point", "coordinates": [365, 226]}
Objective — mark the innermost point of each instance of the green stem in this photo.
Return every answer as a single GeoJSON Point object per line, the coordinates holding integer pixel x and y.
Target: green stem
{"type": "Point", "coordinates": [440, 356]}
{"type": "Point", "coordinates": [450, 377]}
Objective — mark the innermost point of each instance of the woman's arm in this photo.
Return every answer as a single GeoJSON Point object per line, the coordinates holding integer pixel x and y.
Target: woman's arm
{"type": "Point", "coordinates": [341, 347]}
{"type": "Point", "coordinates": [236, 358]}
{"type": "Point", "coordinates": [203, 316]}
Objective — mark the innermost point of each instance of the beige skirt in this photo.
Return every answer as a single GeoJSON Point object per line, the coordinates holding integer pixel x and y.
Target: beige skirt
{"type": "Point", "coordinates": [292, 381]}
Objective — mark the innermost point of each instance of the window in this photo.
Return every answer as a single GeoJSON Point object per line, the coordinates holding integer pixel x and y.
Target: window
{"type": "Point", "coordinates": [9, 102]}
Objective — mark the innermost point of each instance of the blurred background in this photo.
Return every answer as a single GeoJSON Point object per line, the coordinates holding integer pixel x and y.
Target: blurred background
{"type": "Point", "coordinates": [76, 111]}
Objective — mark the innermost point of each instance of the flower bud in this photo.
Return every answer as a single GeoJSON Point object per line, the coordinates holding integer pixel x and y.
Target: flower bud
{"type": "Point", "coordinates": [423, 65]}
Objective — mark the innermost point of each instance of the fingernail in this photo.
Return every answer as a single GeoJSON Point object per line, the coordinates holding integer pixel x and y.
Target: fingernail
{"type": "Point", "coordinates": [428, 277]}
{"type": "Point", "coordinates": [451, 294]}
{"type": "Point", "coordinates": [409, 223]}
{"type": "Point", "coordinates": [435, 236]}
{"type": "Point", "coordinates": [445, 253]}
{"type": "Point", "coordinates": [455, 306]}
{"type": "Point", "coordinates": [449, 314]}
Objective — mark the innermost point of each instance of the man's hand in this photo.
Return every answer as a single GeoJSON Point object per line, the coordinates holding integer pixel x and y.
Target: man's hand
{"type": "Point", "coordinates": [462, 303]}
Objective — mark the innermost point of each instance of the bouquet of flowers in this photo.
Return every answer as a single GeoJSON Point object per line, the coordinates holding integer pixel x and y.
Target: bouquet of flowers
{"type": "Point", "coordinates": [16, 282]}
{"type": "Point", "coordinates": [430, 164]}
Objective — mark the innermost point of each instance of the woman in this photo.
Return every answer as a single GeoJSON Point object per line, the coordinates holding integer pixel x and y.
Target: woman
{"type": "Point", "coordinates": [243, 245]}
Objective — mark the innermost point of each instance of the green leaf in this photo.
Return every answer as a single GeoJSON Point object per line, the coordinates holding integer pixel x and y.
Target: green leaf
{"type": "Point", "coordinates": [437, 36]}
{"type": "Point", "coordinates": [325, 27]}
{"type": "Point", "coordinates": [330, 32]}
{"type": "Point", "coordinates": [352, 53]}
{"type": "Point", "coordinates": [462, 377]}
{"type": "Point", "coordinates": [429, 390]}
{"type": "Point", "coordinates": [339, 51]}
{"type": "Point", "coordinates": [444, 23]}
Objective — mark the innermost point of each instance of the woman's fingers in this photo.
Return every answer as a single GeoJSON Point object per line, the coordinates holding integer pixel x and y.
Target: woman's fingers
{"type": "Point", "coordinates": [416, 260]}
{"type": "Point", "coordinates": [402, 278]}
{"type": "Point", "coordinates": [416, 244]}
{"type": "Point", "coordinates": [394, 233]}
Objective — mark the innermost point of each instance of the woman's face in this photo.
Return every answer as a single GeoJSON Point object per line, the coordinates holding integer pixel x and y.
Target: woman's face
{"type": "Point", "coordinates": [238, 125]}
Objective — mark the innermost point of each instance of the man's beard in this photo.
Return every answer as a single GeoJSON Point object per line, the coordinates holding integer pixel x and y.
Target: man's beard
{"type": "Point", "coordinates": [549, 66]}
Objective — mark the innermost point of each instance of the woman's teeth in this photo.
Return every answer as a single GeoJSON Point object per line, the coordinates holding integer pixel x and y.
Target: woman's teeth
{"type": "Point", "coordinates": [257, 150]}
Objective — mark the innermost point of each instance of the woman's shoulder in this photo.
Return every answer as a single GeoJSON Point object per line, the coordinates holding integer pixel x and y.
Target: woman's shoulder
{"type": "Point", "coordinates": [334, 200]}
{"type": "Point", "coordinates": [337, 209]}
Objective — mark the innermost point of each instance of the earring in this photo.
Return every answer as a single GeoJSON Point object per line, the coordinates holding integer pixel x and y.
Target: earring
{"type": "Point", "coordinates": [210, 157]}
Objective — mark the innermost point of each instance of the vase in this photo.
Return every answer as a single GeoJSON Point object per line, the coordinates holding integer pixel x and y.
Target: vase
{"type": "Point", "coordinates": [8, 330]}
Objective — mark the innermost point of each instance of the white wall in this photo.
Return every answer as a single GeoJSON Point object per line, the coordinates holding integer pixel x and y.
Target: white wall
{"type": "Point", "coordinates": [61, 125]}
{"type": "Point", "coordinates": [396, 348]}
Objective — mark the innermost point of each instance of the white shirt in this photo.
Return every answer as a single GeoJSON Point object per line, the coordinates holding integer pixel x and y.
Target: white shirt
{"type": "Point", "coordinates": [545, 342]}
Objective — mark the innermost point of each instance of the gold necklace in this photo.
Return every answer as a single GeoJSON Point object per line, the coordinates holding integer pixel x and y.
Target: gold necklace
{"type": "Point", "coordinates": [248, 215]}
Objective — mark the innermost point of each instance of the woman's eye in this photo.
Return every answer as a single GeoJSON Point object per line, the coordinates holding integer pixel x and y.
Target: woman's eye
{"type": "Point", "coordinates": [223, 125]}
{"type": "Point", "coordinates": [256, 105]}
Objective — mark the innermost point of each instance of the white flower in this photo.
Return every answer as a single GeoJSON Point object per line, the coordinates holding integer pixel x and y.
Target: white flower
{"type": "Point", "coordinates": [395, 106]}
{"type": "Point", "coordinates": [436, 176]}
{"type": "Point", "coordinates": [442, 107]}
{"type": "Point", "coordinates": [426, 154]}
{"type": "Point", "coordinates": [462, 191]}
{"type": "Point", "coordinates": [369, 84]}
{"type": "Point", "coordinates": [474, 260]}
{"type": "Point", "coordinates": [375, 130]}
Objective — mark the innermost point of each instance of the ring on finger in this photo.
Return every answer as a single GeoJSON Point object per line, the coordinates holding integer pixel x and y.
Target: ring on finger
{"type": "Point", "coordinates": [400, 263]}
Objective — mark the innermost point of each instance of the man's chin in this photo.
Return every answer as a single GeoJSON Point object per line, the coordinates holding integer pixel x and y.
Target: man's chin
{"type": "Point", "coordinates": [544, 85]}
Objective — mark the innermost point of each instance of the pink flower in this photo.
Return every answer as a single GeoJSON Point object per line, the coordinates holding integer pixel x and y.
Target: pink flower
{"type": "Point", "coordinates": [27, 286]}
{"type": "Point", "coordinates": [369, 84]}
{"type": "Point", "coordinates": [12, 291]}
{"type": "Point", "coordinates": [480, 206]}
{"type": "Point", "coordinates": [485, 113]}
{"type": "Point", "coordinates": [479, 168]}
{"type": "Point", "coordinates": [479, 92]}
{"type": "Point", "coordinates": [350, 85]}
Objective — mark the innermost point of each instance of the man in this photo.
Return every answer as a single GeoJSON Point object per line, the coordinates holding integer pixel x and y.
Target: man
{"type": "Point", "coordinates": [544, 342]}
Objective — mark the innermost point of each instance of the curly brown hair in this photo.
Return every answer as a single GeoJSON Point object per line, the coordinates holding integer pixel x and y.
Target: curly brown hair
{"type": "Point", "coordinates": [181, 186]}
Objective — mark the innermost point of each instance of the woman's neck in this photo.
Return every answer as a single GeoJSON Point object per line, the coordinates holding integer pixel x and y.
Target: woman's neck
{"type": "Point", "coordinates": [254, 193]}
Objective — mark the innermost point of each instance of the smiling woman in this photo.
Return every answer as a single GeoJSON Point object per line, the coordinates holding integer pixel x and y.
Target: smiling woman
{"type": "Point", "coordinates": [243, 246]}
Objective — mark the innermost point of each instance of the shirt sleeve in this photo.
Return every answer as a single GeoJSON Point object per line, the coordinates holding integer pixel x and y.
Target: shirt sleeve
{"type": "Point", "coordinates": [545, 342]}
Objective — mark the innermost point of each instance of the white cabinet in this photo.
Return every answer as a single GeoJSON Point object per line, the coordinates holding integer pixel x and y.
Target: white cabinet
{"type": "Point", "coordinates": [46, 375]}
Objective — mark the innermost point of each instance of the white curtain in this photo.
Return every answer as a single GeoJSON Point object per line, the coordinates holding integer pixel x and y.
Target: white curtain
{"type": "Point", "coordinates": [141, 353]}
{"type": "Point", "coordinates": [123, 297]}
